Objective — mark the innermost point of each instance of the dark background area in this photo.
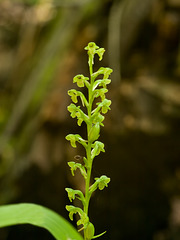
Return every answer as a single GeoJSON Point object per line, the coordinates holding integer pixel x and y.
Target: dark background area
{"type": "Point", "coordinates": [41, 50]}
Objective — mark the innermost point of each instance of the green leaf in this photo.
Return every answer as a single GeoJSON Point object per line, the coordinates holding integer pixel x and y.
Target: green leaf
{"type": "Point", "coordinates": [26, 213]}
{"type": "Point", "coordinates": [99, 235]}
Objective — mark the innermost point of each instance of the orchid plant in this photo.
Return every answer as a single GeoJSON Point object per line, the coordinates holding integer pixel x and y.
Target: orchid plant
{"type": "Point", "coordinates": [28, 213]}
{"type": "Point", "coordinates": [96, 105]}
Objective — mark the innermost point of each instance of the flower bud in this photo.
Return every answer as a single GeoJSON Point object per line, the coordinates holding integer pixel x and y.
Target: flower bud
{"type": "Point", "coordinates": [94, 132]}
{"type": "Point", "coordinates": [90, 231]}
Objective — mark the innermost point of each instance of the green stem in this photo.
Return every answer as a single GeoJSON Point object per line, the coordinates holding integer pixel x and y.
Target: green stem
{"type": "Point", "coordinates": [89, 147]}
{"type": "Point", "coordinates": [87, 195]}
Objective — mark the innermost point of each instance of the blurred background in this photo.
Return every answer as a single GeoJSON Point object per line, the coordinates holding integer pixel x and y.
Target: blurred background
{"type": "Point", "coordinates": [41, 50]}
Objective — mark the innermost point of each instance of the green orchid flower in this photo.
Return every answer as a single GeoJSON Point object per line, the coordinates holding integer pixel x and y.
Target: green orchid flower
{"type": "Point", "coordinates": [80, 80]}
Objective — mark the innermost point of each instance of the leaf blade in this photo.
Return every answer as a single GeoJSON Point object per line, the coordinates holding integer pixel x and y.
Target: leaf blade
{"type": "Point", "coordinates": [27, 213]}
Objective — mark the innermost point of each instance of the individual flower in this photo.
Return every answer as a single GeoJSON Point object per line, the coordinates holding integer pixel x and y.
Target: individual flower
{"type": "Point", "coordinates": [98, 118]}
{"type": "Point", "coordinates": [91, 47]}
{"type": "Point", "coordinates": [84, 220]}
{"type": "Point", "coordinates": [101, 83]}
{"type": "Point", "coordinates": [72, 108]}
{"type": "Point", "coordinates": [101, 92]}
{"type": "Point", "coordinates": [97, 148]}
{"type": "Point", "coordinates": [106, 71]}
{"type": "Point", "coordinates": [73, 138]}
{"type": "Point", "coordinates": [80, 80]}
{"type": "Point", "coordinates": [73, 94]}
{"type": "Point", "coordinates": [102, 182]}
{"type": "Point", "coordinates": [73, 210]}
{"type": "Point", "coordinates": [104, 106]}
{"type": "Point", "coordinates": [77, 112]}
{"type": "Point", "coordinates": [100, 53]}
{"type": "Point", "coordinates": [71, 193]}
